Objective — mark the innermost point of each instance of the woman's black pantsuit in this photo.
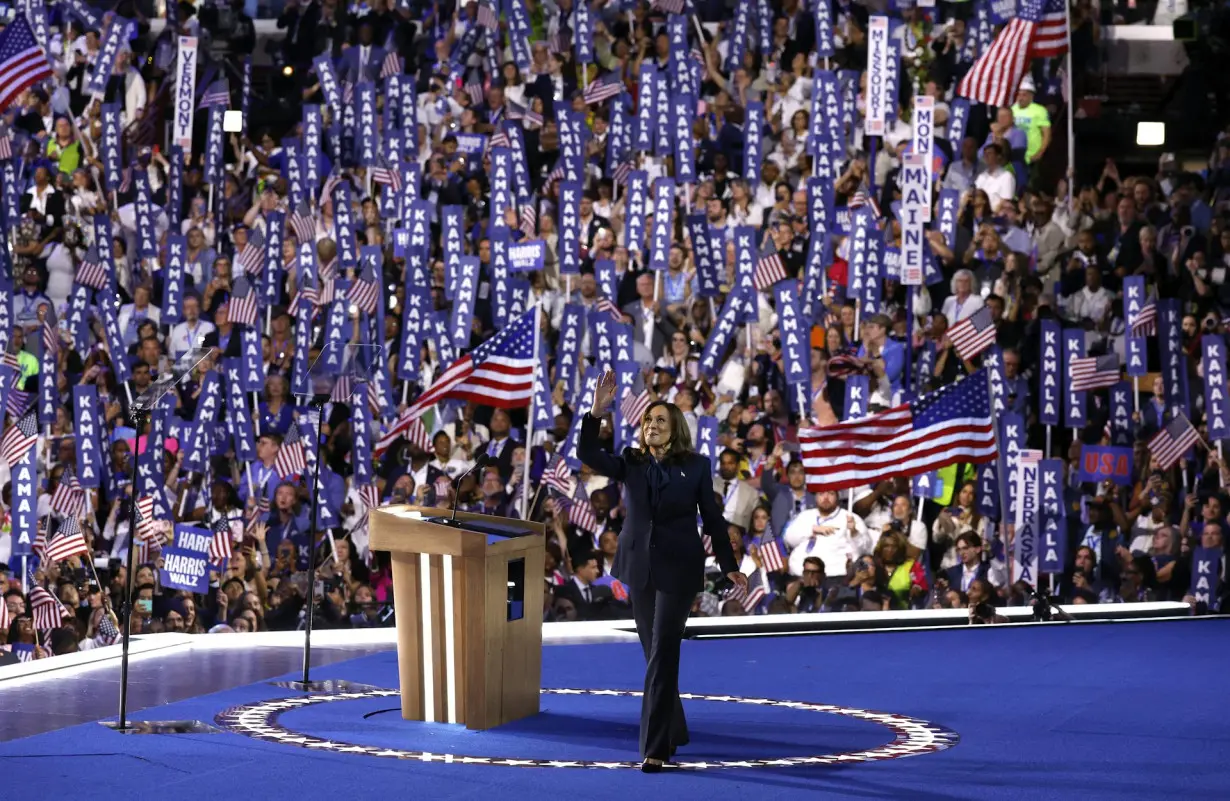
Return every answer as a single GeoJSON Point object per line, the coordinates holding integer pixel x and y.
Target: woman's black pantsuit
{"type": "Point", "coordinates": [661, 560]}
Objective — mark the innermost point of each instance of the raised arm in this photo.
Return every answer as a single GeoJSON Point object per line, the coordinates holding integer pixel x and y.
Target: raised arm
{"type": "Point", "coordinates": [589, 450]}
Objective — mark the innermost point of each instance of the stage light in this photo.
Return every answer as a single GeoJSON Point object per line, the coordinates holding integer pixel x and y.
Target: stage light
{"type": "Point", "coordinates": [1150, 134]}
{"type": "Point", "coordinates": [288, 70]}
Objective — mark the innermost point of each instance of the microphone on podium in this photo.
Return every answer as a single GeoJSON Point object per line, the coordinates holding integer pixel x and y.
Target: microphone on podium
{"type": "Point", "coordinates": [481, 461]}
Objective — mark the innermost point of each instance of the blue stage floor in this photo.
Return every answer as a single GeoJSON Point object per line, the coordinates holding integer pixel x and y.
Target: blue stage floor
{"type": "Point", "coordinates": [1116, 711]}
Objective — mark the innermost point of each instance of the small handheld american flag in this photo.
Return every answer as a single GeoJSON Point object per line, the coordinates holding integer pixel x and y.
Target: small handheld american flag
{"type": "Point", "coordinates": [252, 257]}
{"type": "Point", "coordinates": [1169, 444]}
{"type": "Point", "coordinates": [391, 65]}
{"type": "Point", "coordinates": [19, 439]}
{"type": "Point", "coordinates": [68, 542]}
{"type": "Point", "coordinates": [1094, 372]}
{"type": "Point", "coordinates": [91, 272]}
{"type": "Point", "coordinates": [68, 499]}
{"type": "Point", "coordinates": [221, 544]}
{"type": "Point", "coordinates": [974, 334]}
{"type": "Point", "coordinates": [607, 306]}
{"type": "Point", "coordinates": [769, 271]}
{"type": "Point", "coordinates": [46, 609]}
{"type": "Point", "coordinates": [633, 407]}
{"type": "Point", "coordinates": [364, 293]}
{"type": "Point", "coordinates": [244, 306]}
{"type": "Point", "coordinates": [604, 88]}
{"type": "Point", "coordinates": [771, 556]}
{"type": "Point", "coordinates": [1145, 323]}
{"type": "Point", "coordinates": [291, 459]}
{"type": "Point", "coordinates": [147, 528]}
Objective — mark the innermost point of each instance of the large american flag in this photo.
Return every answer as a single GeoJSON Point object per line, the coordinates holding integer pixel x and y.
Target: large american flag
{"type": "Point", "coordinates": [950, 425]}
{"type": "Point", "coordinates": [604, 88]}
{"type": "Point", "coordinates": [244, 306]}
{"type": "Point", "coordinates": [1169, 444]}
{"type": "Point", "coordinates": [68, 542]}
{"type": "Point", "coordinates": [22, 62]}
{"type": "Point", "coordinates": [769, 270]}
{"type": "Point", "coordinates": [17, 441]}
{"type": "Point", "coordinates": [1145, 322]}
{"type": "Point", "coordinates": [1039, 30]}
{"type": "Point", "coordinates": [291, 459]}
{"type": "Point", "coordinates": [974, 334]}
{"type": "Point", "coordinates": [1093, 372]}
{"type": "Point", "coordinates": [499, 372]}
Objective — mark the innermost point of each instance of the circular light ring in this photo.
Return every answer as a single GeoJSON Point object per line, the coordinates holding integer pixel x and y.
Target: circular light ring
{"type": "Point", "coordinates": [913, 736]}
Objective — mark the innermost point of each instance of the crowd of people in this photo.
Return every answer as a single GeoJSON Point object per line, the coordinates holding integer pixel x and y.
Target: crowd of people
{"type": "Point", "coordinates": [551, 128]}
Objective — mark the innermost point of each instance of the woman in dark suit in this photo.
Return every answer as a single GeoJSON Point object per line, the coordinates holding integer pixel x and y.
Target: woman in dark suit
{"type": "Point", "coordinates": [660, 559]}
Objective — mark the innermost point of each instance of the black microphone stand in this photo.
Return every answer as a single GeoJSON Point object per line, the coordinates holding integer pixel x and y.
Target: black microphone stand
{"type": "Point", "coordinates": [318, 404]}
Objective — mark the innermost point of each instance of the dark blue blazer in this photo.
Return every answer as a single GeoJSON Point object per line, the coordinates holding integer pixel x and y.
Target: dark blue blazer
{"type": "Point", "coordinates": [661, 541]}
{"type": "Point", "coordinates": [955, 573]}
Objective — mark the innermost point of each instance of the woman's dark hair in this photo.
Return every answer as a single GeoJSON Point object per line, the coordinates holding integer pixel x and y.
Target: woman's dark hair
{"type": "Point", "coordinates": [680, 444]}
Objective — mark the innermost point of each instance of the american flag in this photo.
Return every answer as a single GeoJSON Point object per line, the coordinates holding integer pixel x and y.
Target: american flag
{"type": "Point", "coordinates": [47, 610]}
{"type": "Point", "coordinates": [633, 407]}
{"type": "Point", "coordinates": [474, 89]}
{"type": "Point", "coordinates": [1169, 444]}
{"type": "Point", "coordinates": [302, 223]}
{"type": "Point", "coordinates": [68, 542]}
{"type": "Point", "coordinates": [6, 147]}
{"type": "Point", "coordinates": [499, 139]}
{"type": "Point", "coordinates": [220, 545]}
{"type": "Point", "coordinates": [560, 42]}
{"type": "Point", "coordinates": [244, 305]}
{"type": "Point", "coordinates": [217, 93]}
{"type": "Point", "coordinates": [499, 373]}
{"type": "Point", "coordinates": [559, 478]}
{"type": "Point", "coordinates": [252, 257]}
{"type": "Point", "coordinates": [69, 498]}
{"type": "Point", "coordinates": [1145, 323]}
{"type": "Point", "coordinates": [390, 66]}
{"type": "Point", "coordinates": [668, 6]}
{"type": "Point", "coordinates": [974, 334]}
{"type": "Point", "coordinates": [418, 436]}
{"type": "Point", "coordinates": [1039, 30]}
{"type": "Point", "coordinates": [291, 459]}
{"type": "Point", "coordinates": [863, 197]}
{"type": "Point", "coordinates": [369, 495]}
{"type": "Point", "coordinates": [527, 115]}
{"type": "Point", "coordinates": [1093, 372]}
{"type": "Point", "coordinates": [18, 402]}
{"type": "Point", "coordinates": [769, 270]}
{"type": "Point", "coordinates": [19, 439]}
{"type": "Point", "coordinates": [707, 542]}
{"type": "Point", "coordinates": [365, 292]}
{"type": "Point", "coordinates": [580, 513]}
{"type": "Point", "coordinates": [607, 306]}
{"type": "Point", "coordinates": [604, 88]}
{"type": "Point", "coordinates": [147, 526]}
{"type": "Point", "coordinates": [328, 272]}
{"type": "Point", "coordinates": [342, 390]}
{"type": "Point", "coordinates": [387, 175]}
{"type": "Point", "coordinates": [487, 17]}
{"type": "Point", "coordinates": [51, 337]}
{"type": "Point", "coordinates": [621, 172]}
{"type": "Point", "coordinates": [108, 632]}
{"type": "Point", "coordinates": [257, 513]}
{"type": "Point", "coordinates": [91, 272]}
{"type": "Point", "coordinates": [749, 599]}
{"type": "Point", "coordinates": [40, 541]}
{"type": "Point", "coordinates": [529, 217]}
{"type": "Point", "coordinates": [944, 427]}
{"type": "Point", "coordinates": [771, 556]}
{"type": "Point", "coordinates": [347, 95]}
{"type": "Point", "coordinates": [22, 62]}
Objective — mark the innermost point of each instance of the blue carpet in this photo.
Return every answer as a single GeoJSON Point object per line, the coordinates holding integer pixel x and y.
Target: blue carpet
{"type": "Point", "coordinates": [1090, 712]}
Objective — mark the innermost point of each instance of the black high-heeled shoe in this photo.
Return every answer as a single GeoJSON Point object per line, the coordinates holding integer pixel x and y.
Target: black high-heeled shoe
{"type": "Point", "coordinates": [651, 766]}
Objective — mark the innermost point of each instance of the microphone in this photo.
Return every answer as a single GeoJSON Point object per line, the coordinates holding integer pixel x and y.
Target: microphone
{"type": "Point", "coordinates": [483, 460]}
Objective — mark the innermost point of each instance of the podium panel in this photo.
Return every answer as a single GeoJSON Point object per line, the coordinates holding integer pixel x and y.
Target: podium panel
{"type": "Point", "coordinates": [468, 604]}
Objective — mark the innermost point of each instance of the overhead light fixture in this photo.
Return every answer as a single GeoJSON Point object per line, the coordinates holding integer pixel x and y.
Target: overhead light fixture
{"type": "Point", "coordinates": [1150, 134]}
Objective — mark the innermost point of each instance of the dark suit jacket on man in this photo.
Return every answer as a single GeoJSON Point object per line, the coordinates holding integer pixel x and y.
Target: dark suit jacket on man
{"type": "Point", "coordinates": [348, 66]}
{"type": "Point", "coordinates": [598, 608]}
{"type": "Point", "coordinates": [663, 328]}
{"type": "Point", "coordinates": [781, 501]}
{"type": "Point", "coordinates": [659, 546]}
{"type": "Point", "coordinates": [957, 572]}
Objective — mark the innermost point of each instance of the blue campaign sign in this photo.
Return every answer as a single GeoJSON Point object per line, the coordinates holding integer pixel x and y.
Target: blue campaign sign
{"type": "Point", "coordinates": [928, 485]}
{"type": "Point", "coordinates": [1102, 462]}
{"type": "Point", "coordinates": [526, 256]}
{"type": "Point", "coordinates": [185, 564]}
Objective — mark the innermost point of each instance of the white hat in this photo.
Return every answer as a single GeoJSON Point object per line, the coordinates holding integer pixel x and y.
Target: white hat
{"type": "Point", "coordinates": [1027, 85]}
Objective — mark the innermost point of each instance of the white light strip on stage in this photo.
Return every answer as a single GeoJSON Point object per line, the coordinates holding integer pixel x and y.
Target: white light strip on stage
{"type": "Point", "coordinates": [450, 640]}
{"type": "Point", "coordinates": [429, 679]}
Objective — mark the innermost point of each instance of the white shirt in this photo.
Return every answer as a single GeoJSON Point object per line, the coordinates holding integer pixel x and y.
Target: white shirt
{"type": "Point", "coordinates": [1091, 305]}
{"type": "Point", "coordinates": [956, 311]}
{"type": "Point", "coordinates": [185, 337]}
{"type": "Point", "coordinates": [835, 549]}
{"type": "Point", "coordinates": [999, 185]}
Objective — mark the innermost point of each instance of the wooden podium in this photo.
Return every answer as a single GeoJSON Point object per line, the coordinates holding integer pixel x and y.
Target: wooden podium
{"type": "Point", "coordinates": [469, 615]}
